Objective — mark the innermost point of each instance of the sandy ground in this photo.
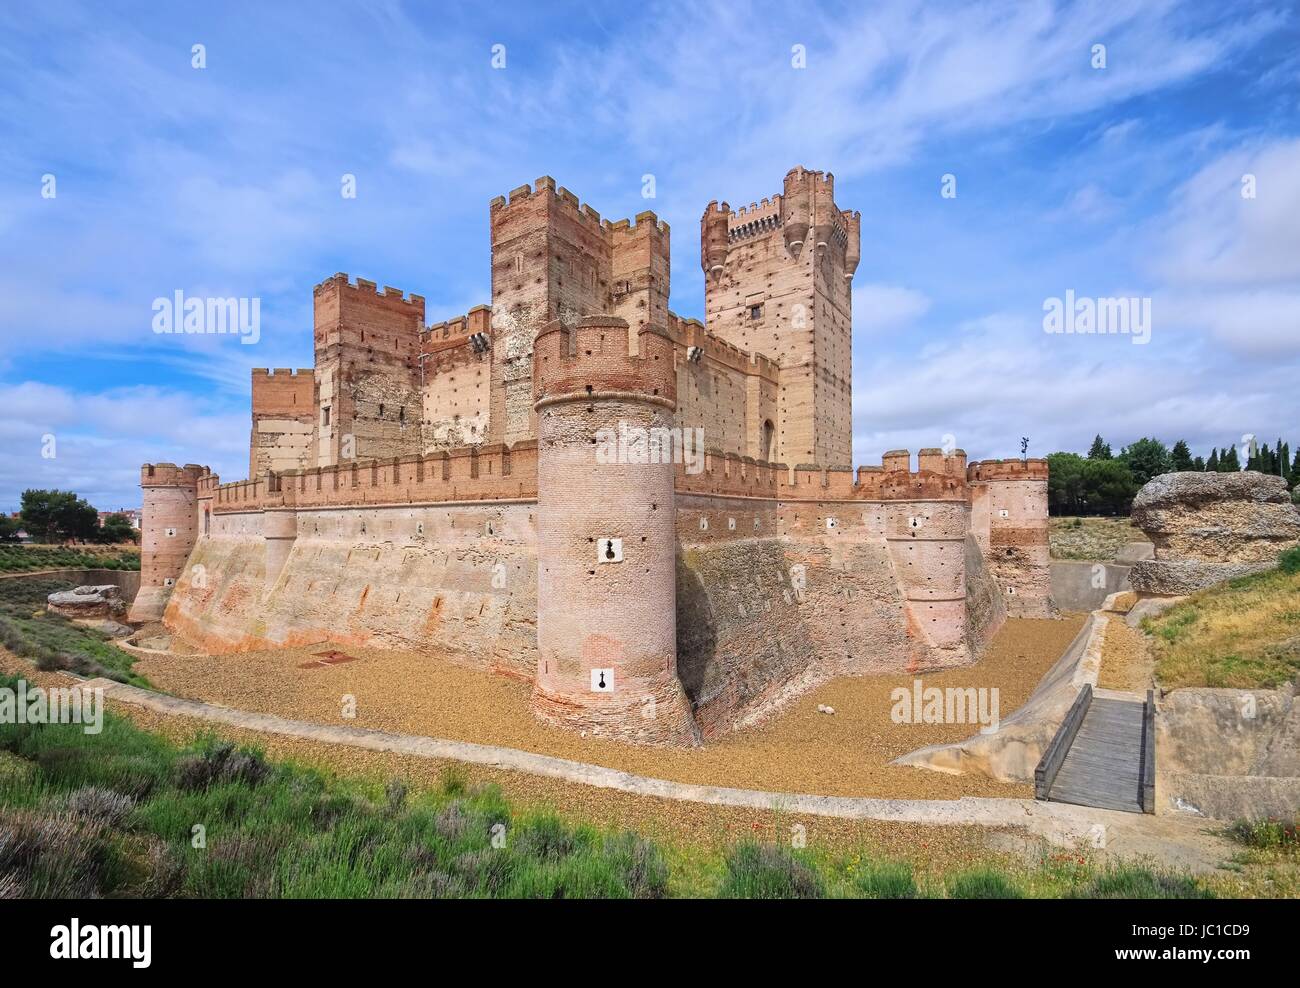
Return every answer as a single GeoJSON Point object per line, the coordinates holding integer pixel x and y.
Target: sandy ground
{"type": "Point", "coordinates": [681, 825]}
{"type": "Point", "coordinates": [800, 750]}
{"type": "Point", "coordinates": [670, 820]}
{"type": "Point", "coordinates": [1126, 662]}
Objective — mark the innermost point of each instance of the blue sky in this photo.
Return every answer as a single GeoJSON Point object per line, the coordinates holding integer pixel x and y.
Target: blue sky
{"type": "Point", "coordinates": [1122, 180]}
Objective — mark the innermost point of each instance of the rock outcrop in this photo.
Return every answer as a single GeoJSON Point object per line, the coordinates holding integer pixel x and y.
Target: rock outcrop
{"type": "Point", "coordinates": [1210, 527]}
{"type": "Point", "coordinates": [88, 603]}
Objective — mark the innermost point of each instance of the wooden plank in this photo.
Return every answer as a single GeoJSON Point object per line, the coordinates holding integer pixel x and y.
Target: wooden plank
{"type": "Point", "coordinates": [1149, 754]}
{"type": "Point", "coordinates": [1103, 764]}
{"type": "Point", "coordinates": [1054, 756]}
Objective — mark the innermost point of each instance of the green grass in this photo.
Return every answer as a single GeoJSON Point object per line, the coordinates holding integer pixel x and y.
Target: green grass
{"type": "Point", "coordinates": [52, 641]}
{"type": "Point", "coordinates": [1268, 834]}
{"type": "Point", "coordinates": [1092, 538]}
{"type": "Point", "coordinates": [24, 558]}
{"type": "Point", "coordinates": [1243, 633]}
{"type": "Point", "coordinates": [127, 813]}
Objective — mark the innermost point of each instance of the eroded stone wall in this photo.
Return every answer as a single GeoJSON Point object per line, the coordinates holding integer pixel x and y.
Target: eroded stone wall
{"type": "Point", "coordinates": [459, 580]}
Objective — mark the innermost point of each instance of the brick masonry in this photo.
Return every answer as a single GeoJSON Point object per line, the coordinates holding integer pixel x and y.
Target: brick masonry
{"type": "Point", "coordinates": [450, 488]}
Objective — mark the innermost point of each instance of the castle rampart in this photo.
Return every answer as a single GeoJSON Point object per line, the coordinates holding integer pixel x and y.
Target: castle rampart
{"type": "Point", "coordinates": [651, 519]}
{"type": "Point", "coordinates": [167, 534]}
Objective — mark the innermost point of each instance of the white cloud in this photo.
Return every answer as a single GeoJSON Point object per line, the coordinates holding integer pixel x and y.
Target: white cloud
{"type": "Point", "coordinates": [877, 306]}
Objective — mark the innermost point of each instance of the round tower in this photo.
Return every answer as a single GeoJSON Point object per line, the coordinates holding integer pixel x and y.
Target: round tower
{"type": "Point", "coordinates": [796, 209]}
{"type": "Point", "coordinates": [168, 529]}
{"type": "Point", "coordinates": [606, 539]}
{"type": "Point", "coordinates": [713, 239]}
{"type": "Point", "coordinates": [824, 211]}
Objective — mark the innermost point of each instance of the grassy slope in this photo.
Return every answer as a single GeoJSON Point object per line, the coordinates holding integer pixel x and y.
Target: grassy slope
{"type": "Point", "coordinates": [1091, 538]}
{"type": "Point", "coordinates": [25, 558]}
{"type": "Point", "coordinates": [115, 814]}
{"type": "Point", "coordinates": [51, 640]}
{"type": "Point", "coordinates": [1244, 633]}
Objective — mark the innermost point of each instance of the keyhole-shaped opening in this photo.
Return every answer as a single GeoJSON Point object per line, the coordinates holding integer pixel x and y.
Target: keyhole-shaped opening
{"type": "Point", "coordinates": [601, 684]}
{"type": "Point", "coordinates": [609, 554]}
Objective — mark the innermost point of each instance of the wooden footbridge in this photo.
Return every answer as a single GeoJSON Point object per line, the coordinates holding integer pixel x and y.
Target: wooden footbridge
{"type": "Point", "coordinates": [1103, 755]}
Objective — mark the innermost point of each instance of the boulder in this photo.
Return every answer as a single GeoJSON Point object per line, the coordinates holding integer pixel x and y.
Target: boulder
{"type": "Point", "coordinates": [1211, 527]}
{"type": "Point", "coordinates": [88, 603]}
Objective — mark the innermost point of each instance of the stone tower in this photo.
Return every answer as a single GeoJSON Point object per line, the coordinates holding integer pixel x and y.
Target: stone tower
{"type": "Point", "coordinates": [778, 281]}
{"type": "Point", "coordinates": [367, 383]}
{"type": "Point", "coordinates": [606, 540]}
{"type": "Point", "coordinates": [555, 258]}
{"type": "Point", "coordinates": [168, 529]}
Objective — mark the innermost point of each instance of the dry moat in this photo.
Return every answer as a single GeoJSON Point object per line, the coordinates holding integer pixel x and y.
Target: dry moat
{"type": "Point", "coordinates": [799, 750]}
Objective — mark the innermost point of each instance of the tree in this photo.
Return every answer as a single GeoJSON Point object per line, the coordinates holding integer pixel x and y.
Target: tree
{"type": "Point", "coordinates": [1064, 483]}
{"type": "Point", "coordinates": [1109, 487]}
{"type": "Point", "coordinates": [1099, 450]}
{"type": "Point", "coordinates": [57, 514]}
{"type": "Point", "coordinates": [8, 528]}
{"type": "Point", "coordinates": [118, 528]}
{"type": "Point", "coordinates": [1198, 464]}
{"type": "Point", "coordinates": [1181, 456]}
{"type": "Point", "coordinates": [1229, 463]}
{"type": "Point", "coordinates": [1078, 486]}
{"type": "Point", "coordinates": [1145, 459]}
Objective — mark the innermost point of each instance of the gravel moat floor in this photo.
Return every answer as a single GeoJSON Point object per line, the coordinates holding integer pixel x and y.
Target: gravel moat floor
{"type": "Point", "coordinates": [799, 750]}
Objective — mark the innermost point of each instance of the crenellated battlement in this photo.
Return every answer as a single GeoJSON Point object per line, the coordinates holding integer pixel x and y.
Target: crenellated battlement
{"type": "Point", "coordinates": [938, 478]}
{"type": "Point", "coordinates": [561, 482]}
{"type": "Point", "coordinates": [644, 222]}
{"type": "Point", "coordinates": [592, 358]}
{"type": "Point", "coordinates": [170, 475]}
{"type": "Point", "coordinates": [715, 350]}
{"type": "Point", "coordinates": [987, 470]}
{"type": "Point", "coordinates": [466, 473]}
{"type": "Point", "coordinates": [283, 372]}
{"type": "Point", "coordinates": [367, 292]}
{"type": "Point", "coordinates": [477, 320]}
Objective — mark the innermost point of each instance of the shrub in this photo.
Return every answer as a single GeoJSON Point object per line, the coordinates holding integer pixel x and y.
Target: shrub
{"type": "Point", "coordinates": [1267, 834]}
{"type": "Point", "coordinates": [222, 762]}
{"type": "Point", "coordinates": [886, 880]}
{"type": "Point", "coordinates": [395, 795]}
{"type": "Point", "coordinates": [1128, 882]}
{"type": "Point", "coordinates": [640, 864]}
{"type": "Point", "coordinates": [452, 780]}
{"type": "Point", "coordinates": [102, 805]}
{"type": "Point", "coordinates": [982, 883]}
{"type": "Point", "coordinates": [51, 856]}
{"type": "Point", "coordinates": [1289, 560]}
{"type": "Point", "coordinates": [766, 871]}
{"type": "Point", "coordinates": [547, 838]}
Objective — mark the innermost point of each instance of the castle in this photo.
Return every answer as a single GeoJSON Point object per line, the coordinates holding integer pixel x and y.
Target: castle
{"type": "Point", "coordinates": [516, 488]}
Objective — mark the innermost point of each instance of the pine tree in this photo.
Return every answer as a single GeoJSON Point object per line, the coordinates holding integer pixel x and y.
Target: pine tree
{"type": "Point", "coordinates": [1181, 456]}
{"type": "Point", "coordinates": [1230, 463]}
{"type": "Point", "coordinates": [1198, 464]}
{"type": "Point", "coordinates": [1212, 464]}
{"type": "Point", "coordinates": [1100, 450]}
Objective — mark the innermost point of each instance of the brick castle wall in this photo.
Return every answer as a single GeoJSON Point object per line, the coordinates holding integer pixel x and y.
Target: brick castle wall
{"type": "Point", "coordinates": [439, 488]}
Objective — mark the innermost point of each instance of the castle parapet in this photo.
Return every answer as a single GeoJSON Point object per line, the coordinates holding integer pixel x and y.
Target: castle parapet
{"type": "Point", "coordinates": [1032, 469]}
{"type": "Point", "coordinates": [592, 358]}
{"type": "Point", "coordinates": [170, 475]}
